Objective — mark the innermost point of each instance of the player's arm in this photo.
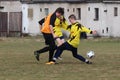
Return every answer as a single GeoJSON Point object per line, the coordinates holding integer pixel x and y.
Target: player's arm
{"type": "Point", "coordinates": [85, 29]}
{"type": "Point", "coordinates": [41, 22]}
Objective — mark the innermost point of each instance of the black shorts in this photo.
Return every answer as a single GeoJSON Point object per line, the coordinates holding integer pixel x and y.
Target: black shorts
{"type": "Point", "coordinates": [49, 40]}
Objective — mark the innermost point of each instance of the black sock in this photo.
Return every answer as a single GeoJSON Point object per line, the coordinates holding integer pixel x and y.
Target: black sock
{"type": "Point", "coordinates": [45, 49]}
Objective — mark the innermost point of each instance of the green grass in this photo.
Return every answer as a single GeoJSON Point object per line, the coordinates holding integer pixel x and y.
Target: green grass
{"type": "Point", "coordinates": [17, 61]}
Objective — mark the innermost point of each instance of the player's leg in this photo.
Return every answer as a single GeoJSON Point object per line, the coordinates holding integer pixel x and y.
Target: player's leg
{"type": "Point", "coordinates": [51, 52]}
{"type": "Point", "coordinates": [45, 49]}
{"type": "Point", "coordinates": [37, 53]}
{"type": "Point", "coordinates": [52, 47]}
{"type": "Point", "coordinates": [76, 55]}
{"type": "Point", "coordinates": [62, 40]}
{"type": "Point", "coordinates": [57, 53]}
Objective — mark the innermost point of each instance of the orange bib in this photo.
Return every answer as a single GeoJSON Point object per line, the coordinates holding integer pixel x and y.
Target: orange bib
{"type": "Point", "coordinates": [46, 26]}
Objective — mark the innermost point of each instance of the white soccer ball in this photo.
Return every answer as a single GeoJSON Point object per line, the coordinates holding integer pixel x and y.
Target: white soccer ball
{"type": "Point", "coordinates": [90, 54]}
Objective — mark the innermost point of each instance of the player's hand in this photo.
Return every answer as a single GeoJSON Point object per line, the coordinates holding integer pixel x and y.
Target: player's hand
{"type": "Point", "coordinates": [94, 32]}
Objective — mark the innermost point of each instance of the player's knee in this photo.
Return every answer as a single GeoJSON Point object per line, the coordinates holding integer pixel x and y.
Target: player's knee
{"type": "Point", "coordinates": [61, 47]}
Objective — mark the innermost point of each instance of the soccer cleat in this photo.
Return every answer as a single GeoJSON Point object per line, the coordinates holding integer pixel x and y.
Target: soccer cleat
{"type": "Point", "coordinates": [88, 62]}
{"type": "Point", "coordinates": [36, 55]}
{"type": "Point", "coordinates": [60, 58]}
{"type": "Point", "coordinates": [50, 63]}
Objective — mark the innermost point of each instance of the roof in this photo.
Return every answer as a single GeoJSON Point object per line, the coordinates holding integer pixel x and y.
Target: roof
{"type": "Point", "coordinates": [65, 1]}
{"type": "Point", "coordinates": [53, 1]}
{"type": "Point", "coordinates": [9, 0]}
{"type": "Point", "coordinates": [111, 1]}
{"type": "Point", "coordinates": [104, 1]}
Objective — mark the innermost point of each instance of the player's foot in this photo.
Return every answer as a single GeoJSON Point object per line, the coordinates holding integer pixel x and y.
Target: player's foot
{"type": "Point", "coordinates": [36, 55]}
{"type": "Point", "coordinates": [60, 58]}
{"type": "Point", "coordinates": [88, 62]}
{"type": "Point", "coordinates": [50, 63]}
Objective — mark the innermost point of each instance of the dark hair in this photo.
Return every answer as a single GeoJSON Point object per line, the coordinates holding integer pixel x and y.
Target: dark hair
{"type": "Point", "coordinates": [60, 10]}
{"type": "Point", "coordinates": [72, 16]}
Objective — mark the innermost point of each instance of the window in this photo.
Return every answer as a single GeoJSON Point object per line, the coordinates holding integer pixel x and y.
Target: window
{"type": "Point", "coordinates": [88, 8]}
{"type": "Point", "coordinates": [30, 13]}
{"type": "Point", "coordinates": [107, 29]}
{"type": "Point", "coordinates": [67, 10]}
{"type": "Point", "coordinates": [46, 11]}
{"type": "Point", "coordinates": [40, 9]}
{"type": "Point", "coordinates": [78, 13]}
{"type": "Point", "coordinates": [96, 14]}
{"type": "Point", "coordinates": [103, 31]}
{"type": "Point", "coordinates": [115, 11]}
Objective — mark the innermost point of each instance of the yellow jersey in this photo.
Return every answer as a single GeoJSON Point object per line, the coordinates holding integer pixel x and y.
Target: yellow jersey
{"type": "Point", "coordinates": [58, 26]}
{"type": "Point", "coordinates": [75, 30]}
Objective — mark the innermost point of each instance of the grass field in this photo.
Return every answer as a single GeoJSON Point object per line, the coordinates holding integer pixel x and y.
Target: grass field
{"type": "Point", "coordinates": [17, 61]}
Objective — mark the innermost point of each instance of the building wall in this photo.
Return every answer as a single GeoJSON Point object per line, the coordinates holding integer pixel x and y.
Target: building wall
{"type": "Point", "coordinates": [113, 21]}
{"type": "Point", "coordinates": [25, 22]}
{"type": "Point", "coordinates": [106, 25]}
{"type": "Point", "coordinates": [32, 25]}
{"type": "Point", "coordinates": [11, 6]}
{"type": "Point", "coordinates": [107, 20]}
{"type": "Point", "coordinates": [93, 24]}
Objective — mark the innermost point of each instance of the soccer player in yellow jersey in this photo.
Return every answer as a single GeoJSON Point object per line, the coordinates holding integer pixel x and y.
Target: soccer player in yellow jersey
{"type": "Point", "coordinates": [72, 43]}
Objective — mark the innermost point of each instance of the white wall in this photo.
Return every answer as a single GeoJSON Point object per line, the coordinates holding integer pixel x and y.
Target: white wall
{"type": "Point", "coordinates": [113, 21]}
{"type": "Point", "coordinates": [31, 25]}
{"type": "Point", "coordinates": [25, 22]}
{"type": "Point", "coordinates": [106, 19]}
{"type": "Point", "coordinates": [11, 6]}
{"type": "Point", "coordinates": [97, 25]}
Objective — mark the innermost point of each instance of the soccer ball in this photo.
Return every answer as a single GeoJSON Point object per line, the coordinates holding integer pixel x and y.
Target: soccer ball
{"type": "Point", "coordinates": [90, 54]}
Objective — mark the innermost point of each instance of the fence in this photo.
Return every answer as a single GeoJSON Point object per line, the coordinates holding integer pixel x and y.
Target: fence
{"type": "Point", "coordinates": [10, 24]}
